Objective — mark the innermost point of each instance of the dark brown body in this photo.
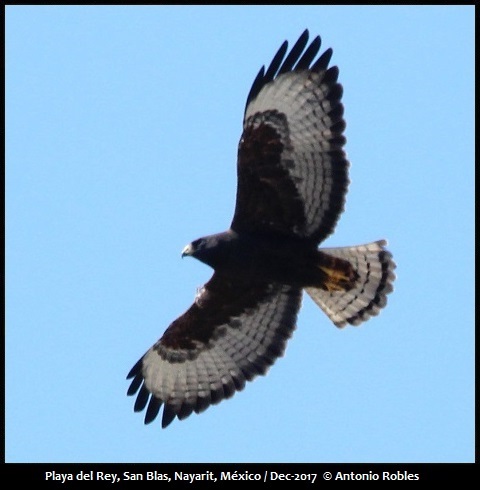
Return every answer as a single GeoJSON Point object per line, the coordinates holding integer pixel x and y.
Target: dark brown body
{"type": "Point", "coordinates": [280, 260]}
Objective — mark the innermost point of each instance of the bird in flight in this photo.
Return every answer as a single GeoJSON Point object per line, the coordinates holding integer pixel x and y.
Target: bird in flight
{"type": "Point", "coordinates": [292, 177]}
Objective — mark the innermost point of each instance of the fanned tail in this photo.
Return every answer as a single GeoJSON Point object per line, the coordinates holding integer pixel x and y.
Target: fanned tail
{"type": "Point", "coordinates": [373, 266]}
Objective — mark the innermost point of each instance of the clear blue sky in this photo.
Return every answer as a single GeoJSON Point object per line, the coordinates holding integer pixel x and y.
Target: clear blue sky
{"type": "Point", "coordinates": [122, 126]}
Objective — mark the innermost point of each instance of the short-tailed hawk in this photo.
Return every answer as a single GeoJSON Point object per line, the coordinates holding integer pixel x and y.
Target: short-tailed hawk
{"type": "Point", "coordinates": [292, 179]}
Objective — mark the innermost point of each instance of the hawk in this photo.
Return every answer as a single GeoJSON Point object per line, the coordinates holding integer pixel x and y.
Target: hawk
{"type": "Point", "coordinates": [292, 177]}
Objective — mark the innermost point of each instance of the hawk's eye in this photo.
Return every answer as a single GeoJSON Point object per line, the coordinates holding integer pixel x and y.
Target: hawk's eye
{"type": "Point", "coordinates": [198, 244]}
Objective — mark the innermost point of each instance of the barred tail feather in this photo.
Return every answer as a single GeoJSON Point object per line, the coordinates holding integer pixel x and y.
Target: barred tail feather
{"type": "Point", "coordinates": [374, 266]}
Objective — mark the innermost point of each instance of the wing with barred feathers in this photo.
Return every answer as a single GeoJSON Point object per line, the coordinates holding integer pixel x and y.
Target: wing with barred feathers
{"type": "Point", "coordinates": [232, 333]}
{"type": "Point", "coordinates": [292, 171]}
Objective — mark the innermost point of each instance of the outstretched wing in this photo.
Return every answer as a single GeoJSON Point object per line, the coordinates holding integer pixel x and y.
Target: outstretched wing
{"type": "Point", "coordinates": [233, 332]}
{"type": "Point", "coordinates": [292, 171]}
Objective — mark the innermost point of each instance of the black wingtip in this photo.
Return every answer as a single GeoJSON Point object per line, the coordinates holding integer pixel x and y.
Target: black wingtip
{"type": "Point", "coordinates": [256, 86]}
{"type": "Point", "coordinates": [294, 54]}
{"type": "Point", "coordinates": [153, 409]}
{"type": "Point", "coordinates": [135, 385]}
{"type": "Point", "coordinates": [142, 399]}
{"type": "Point", "coordinates": [168, 416]}
{"type": "Point", "coordinates": [305, 34]}
{"type": "Point", "coordinates": [298, 58]}
{"type": "Point", "coordinates": [309, 55]}
{"type": "Point", "coordinates": [323, 61]}
{"type": "Point", "coordinates": [135, 369]}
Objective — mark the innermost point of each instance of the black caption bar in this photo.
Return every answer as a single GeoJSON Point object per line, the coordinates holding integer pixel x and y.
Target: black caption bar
{"type": "Point", "coordinates": [56, 474]}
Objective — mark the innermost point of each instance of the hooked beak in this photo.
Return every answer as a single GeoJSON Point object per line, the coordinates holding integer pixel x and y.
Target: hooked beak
{"type": "Point", "coordinates": [188, 250]}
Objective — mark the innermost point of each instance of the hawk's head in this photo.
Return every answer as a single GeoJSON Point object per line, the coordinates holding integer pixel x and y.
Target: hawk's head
{"type": "Point", "coordinates": [195, 248]}
{"type": "Point", "coordinates": [213, 250]}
